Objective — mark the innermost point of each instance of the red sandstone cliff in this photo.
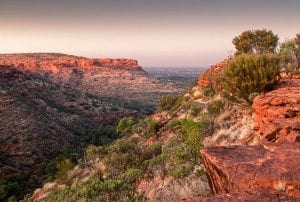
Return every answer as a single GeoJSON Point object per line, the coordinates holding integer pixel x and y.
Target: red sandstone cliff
{"type": "Point", "coordinates": [55, 63]}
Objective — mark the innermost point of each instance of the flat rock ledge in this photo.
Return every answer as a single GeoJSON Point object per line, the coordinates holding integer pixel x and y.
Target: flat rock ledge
{"type": "Point", "coordinates": [241, 168]}
{"type": "Point", "coordinates": [259, 196]}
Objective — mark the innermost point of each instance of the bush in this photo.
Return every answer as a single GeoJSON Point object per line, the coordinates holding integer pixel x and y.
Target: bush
{"type": "Point", "coordinates": [149, 126]}
{"type": "Point", "coordinates": [195, 109]}
{"type": "Point", "coordinates": [169, 102]}
{"type": "Point", "coordinates": [215, 107]}
{"type": "Point", "coordinates": [123, 154]}
{"type": "Point", "coordinates": [125, 124]}
{"type": "Point", "coordinates": [103, 135]}
{"type": "Point", "coordinates": [248, 74]}
{"type": "Point", "coordinates": [63, 167]}
{"type": "Point", "coordinates": [192, 132]}
{"type": "Point", "coordinates": [209, 92]}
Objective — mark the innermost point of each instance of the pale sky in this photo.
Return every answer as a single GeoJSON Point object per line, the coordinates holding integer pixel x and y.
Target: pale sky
{"type": "Point", "coordinates": [155, 32]}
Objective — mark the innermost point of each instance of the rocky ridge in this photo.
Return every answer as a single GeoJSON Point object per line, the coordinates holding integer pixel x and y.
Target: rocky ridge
{"type": "Point", "coordinates": [114, 78]}
{"type": "Point", "coordinates": [55, 62]}
{"type": "Point", "coordinates": [270, 164]}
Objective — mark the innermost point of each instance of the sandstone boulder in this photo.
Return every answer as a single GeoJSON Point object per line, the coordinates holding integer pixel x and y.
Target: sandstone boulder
{"type": "Point", "coordinates": [250, 168]}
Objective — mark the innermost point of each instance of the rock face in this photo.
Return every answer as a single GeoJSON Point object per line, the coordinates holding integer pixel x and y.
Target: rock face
{"type": "Point", "coordinates": [262, 196]}
{"type": "Point", "coordinates": [250, 168]}
{"type": "Point", "coordinates": [117, 63]}
{"type": "Point", "coordinates": [56, 63]}
{"type": "Point", "coordinates": [277, 113]}
{"type": "Point", "coordinates": [212, 76]}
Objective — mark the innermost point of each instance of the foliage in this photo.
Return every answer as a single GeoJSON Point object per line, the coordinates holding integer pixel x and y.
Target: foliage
{"type": "Point", "coordinates": [192, 132]}
{"type": "Point", "coordinates": [148, 126]}
{"type": "Point", "coordinates": [63, 167]}
{"type": "Point", "coordinates": [248, 74]}
{"type": "Point", "coordinates": [288, 55]}
{"type": "Point", "coordinates": [209, 92]}
{"type": "Point", "coordinates": [169, 102]}
{"type": "Point", "coordinates": [12, 186]}
{"type": "Point", "coordinates": [215, 106]}
{"type": "Point", "coordinates": [119, 188]}
{"type": "Point", "coordinates": [195, 109]}
{"type": "Point", "coordinates": [123, 154]}
{"type": "Point", "coordinates": [256, 42]}
{"type": "Point", "coordinates": [103, 135]}
{"type": "Point", "coordinates": [297, 41]}
{"type": "Point", "coordinates": [125, 124]}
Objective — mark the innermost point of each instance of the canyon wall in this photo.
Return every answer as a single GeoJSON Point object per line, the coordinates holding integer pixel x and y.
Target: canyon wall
{"type": "Point", "coordinates": [55, 63]}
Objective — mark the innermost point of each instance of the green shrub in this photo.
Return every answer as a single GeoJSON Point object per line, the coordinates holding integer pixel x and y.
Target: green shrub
{"type": "Point", "coordinates": [103, 135]}
{"type": "Point", "coordinates": [192, 132]}
{"type": "Point", "coordinates": [200, 172]}
{"type": "Point", "coordinates": [12, 186]}
{"type": "Point", "coordinates": [123, 154]}
{"type": "Point", "coordinates": [215, 107]}
{"type": "Point", "coordinates": [63, 167]}
{"type": "Point", "coordinates": [209, 92]}
{"type": "Point", "coordinates": [248, 74]}
{"type": "Point", "coordinates": [148, 126]}
{"type": "Point", "coordinates": [195, 109]}
{"type": "Point", "coordinates": [92, 151]}
{"type": "Point", "coordinates": [168, 102]}
{"type": "Point", "coordinates": [125, 124]}
{"type": "Point", "coordinates": [119, 188]}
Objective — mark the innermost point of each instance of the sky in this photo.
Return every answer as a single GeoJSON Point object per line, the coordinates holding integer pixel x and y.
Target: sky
{"type": "Point", "coordinates": [155, 32]}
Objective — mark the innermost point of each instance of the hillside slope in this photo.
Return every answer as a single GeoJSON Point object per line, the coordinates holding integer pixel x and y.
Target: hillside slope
{"type": "Point", "coordinates": [53, 103]}
{"type": "Point", "coordinates": [39, 119]}
{"type": "Point", "coordinates": [158, 157]}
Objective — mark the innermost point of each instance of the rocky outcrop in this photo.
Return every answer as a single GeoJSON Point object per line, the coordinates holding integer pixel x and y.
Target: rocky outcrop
{"type": "Point", "coordinates": [277, 113]}
{"type": "Point", "coordinates": [117, 63]}
{"type": "Point", "coordinates": [212, 76]}
{"type": "Point", "coordinates": [56, 63]}
{"type": "Point", "coordinates": [243, 168]}
{"type": "Point", "coordinates": [262, 195]}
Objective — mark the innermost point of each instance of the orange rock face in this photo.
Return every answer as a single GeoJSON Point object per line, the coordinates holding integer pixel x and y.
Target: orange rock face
{"type": "Point", "coordinates": [244, 168]}
{"type": "Point", "coordinates": [277, 113]}
{"type": "Point", "coordinates": [56, 63]}
{"type": "Point", "coordinates": [212, 76]}
{"type": "Point", "coordinates": [262, 196]}
{"type": "Point", "coordinates": [117, 63]}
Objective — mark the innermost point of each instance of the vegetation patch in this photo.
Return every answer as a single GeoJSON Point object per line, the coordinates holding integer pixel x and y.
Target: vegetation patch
{"type": "Point", "coordinates": [248, 74]}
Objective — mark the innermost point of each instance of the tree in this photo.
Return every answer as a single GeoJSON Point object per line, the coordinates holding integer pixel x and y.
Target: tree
{"type": "Point", "coordinates": [288, 54]}
{"type": "Point", "coordinates": [256, 42]}
{"type": "Point", "coordinates": [297, 41]}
